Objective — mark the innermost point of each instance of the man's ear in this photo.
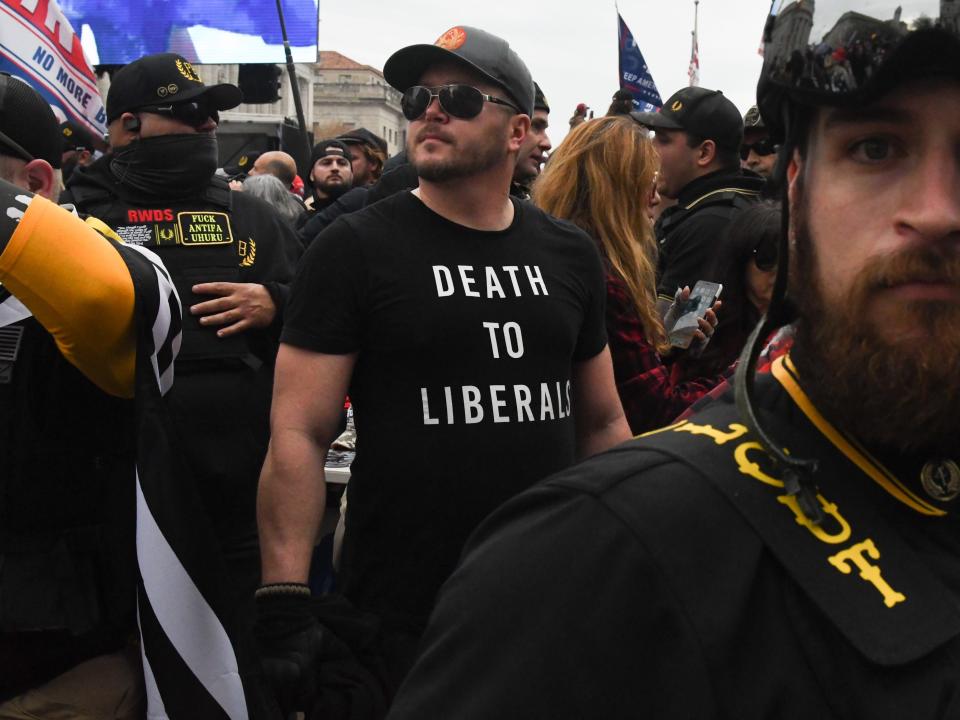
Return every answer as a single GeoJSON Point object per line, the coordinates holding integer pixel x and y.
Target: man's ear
{"type": "Point", "coordinates": [124, 130]}
{"type": "Point", "coordinates": [794, 168]}
{"type": "Point", "coordinates": [707, 153]}
{"type": "Point", "coordinates": [794, 183]}
{"type": "Point", "coordinates": [41, 178]}
{"type": "Point", "coordinates": [519, 128]}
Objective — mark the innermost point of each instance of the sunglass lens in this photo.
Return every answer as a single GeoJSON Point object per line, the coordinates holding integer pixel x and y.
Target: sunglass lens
{"type": "Point", "coordinates": [765, 255]}
{"type": "Point", "coordinates": [415, 101]}
{"type": "Point", "coordinates": [195, 113]}
{"type": "Point", "coordinates": [461, 101]}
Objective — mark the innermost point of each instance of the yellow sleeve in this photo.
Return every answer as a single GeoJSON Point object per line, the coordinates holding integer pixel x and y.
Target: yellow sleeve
{"type": "Point", "coordinates": [78, 287]}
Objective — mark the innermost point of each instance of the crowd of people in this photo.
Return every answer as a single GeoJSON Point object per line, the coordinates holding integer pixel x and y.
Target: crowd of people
{"type": "Point", "coordinates": [660, 421]}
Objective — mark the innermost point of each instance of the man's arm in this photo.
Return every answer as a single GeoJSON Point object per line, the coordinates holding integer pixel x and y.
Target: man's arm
{"type": "Point", "coordinates": [597, 412]}
{"type": "Point", "coordinates": [690, 253]}
{"type": "Point", "coordinates": [75, 283]}
{"type": "Point", "coordinates": [308, 397]}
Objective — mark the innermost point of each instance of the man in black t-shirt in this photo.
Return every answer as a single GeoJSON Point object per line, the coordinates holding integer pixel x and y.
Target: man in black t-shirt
{"type": "Point", "coordinates": [468, 330]}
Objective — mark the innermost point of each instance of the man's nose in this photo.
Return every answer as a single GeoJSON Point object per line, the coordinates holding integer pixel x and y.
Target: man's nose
{"type": "Point", "coordinates": [434, 111]}
{"type": "Point", "coordinates": [931, 204]}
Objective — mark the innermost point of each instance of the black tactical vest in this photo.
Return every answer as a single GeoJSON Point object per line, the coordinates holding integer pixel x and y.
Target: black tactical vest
{"type": "Point", "coordinates": [196, 242]}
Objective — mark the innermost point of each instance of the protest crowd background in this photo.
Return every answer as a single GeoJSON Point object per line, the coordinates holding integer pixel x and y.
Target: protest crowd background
{"type": "Point", "coordinates": [444, 416]}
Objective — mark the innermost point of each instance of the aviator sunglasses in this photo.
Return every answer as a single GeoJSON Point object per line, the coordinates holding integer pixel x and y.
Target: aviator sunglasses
{"type": "Point", "coordinates": [192, 112]}
{"type": "Point", "coordinates": [459, 101]}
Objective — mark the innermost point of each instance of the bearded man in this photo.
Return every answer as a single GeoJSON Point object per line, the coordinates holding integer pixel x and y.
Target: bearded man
{"type": "Point", "coordinates": [331, 174]}
{"type": "Point", "coordinates": [469, 330]}
{"type": "Point", "coordinates": [792, 549]}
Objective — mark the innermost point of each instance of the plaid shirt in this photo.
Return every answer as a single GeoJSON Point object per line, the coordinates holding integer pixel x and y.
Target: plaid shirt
{"type": "Point", "coordinates": [652, 393]}
{"type": "Point", "coordinates": [778, 344]}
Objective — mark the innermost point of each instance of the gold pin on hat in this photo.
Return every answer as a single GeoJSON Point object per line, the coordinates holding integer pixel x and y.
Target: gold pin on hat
{"type": "Point", "coordinates": [941, 480]}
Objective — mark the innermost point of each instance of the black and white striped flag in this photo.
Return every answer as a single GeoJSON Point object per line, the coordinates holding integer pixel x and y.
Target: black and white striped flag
{"type": "Point", "coordinates": [194, 655]}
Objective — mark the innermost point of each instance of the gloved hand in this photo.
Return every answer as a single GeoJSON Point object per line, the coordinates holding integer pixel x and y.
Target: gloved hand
{"type": "Point", "coordinates": [290, 641]}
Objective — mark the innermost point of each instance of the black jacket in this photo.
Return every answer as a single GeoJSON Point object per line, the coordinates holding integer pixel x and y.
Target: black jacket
{"type": "Point", "coordinates": [311, 224]}
{"type": "Point", "coordinates": [399, 177]}
{"type": "Point", "coordinates": [275, 251]}
{"type": "Point", "coordinates": [672, 578]}
{"type": "Point", "coordinates": [689, 232]}
{"type": "Point", "coordinates": [221, 399]}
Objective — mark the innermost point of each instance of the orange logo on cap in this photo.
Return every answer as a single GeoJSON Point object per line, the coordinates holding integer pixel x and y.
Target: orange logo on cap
{"type": "Point", "coordinates": [452, 39]}
{"type": "Point", "coordinates": [677, 106]}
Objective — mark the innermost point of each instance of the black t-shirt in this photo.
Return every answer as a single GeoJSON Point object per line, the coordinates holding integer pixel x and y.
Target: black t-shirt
{"type": "Point", "coordinates": [461, 390]}
{"type": "Point", "coordinates": [672, 578]}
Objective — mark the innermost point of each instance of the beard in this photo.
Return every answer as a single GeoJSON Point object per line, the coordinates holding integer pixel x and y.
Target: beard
{"type": "Point", "coordinates": [487, 152]}
{"type": "Point", "coordinates": [333, 190]}
{"type": "Point", "coordinates": [898, 391]}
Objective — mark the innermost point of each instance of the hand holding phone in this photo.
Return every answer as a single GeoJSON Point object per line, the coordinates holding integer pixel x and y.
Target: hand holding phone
{"type": "Point", "coordinates": [701, 299]}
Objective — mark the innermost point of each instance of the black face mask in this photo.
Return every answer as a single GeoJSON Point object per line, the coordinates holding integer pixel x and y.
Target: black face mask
{"type": "Point", "coordinates": [167, 165]}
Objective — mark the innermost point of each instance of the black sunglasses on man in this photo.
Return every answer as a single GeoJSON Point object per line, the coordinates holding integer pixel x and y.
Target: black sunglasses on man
{"type": "Point", "coordinates": [761, 147]}
{"type": "Point", "coordinates": [192, 112]}
{"type": "Point", "coordinates": [457, 100]}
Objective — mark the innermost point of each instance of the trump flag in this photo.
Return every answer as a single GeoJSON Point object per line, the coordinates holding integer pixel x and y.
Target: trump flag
{"type": "Point", "coordinates": [634, 74]}
{"type": "Point", "coordinates": [38, 45]}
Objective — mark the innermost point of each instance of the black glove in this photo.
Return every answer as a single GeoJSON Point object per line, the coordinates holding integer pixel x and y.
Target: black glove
{"type": "Point", "coordinates": [290, 640]}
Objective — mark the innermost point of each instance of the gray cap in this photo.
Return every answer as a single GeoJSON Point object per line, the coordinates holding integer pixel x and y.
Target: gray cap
{"type": "Point", "coordinates": [482, 52]}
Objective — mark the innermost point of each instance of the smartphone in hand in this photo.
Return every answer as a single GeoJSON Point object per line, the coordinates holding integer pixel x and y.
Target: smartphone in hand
{"type": "Point", "coordinates": [702, 298]}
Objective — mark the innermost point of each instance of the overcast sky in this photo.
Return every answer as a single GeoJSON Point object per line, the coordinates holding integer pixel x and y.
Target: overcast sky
{"type": "Point", "coordinates": [570, 47]}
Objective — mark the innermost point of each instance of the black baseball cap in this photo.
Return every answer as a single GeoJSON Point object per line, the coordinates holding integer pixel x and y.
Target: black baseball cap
{"type": "Point", "coordinates": [76, 137]}
{"type": "Point", "coordinates": [325, 148]}
{"type": "Point", "coordinates": [478, 50]}
{"type": "Point", "coordinates": [164, 78]}
{"type": "Point", "coordinates": [698, 111]}
{"type": "Point", "coordinates": [243, 165]}
{"type": "Point", "coordinates": [539, 100]}
{"type": "Point", "coordinates": [362, 136]}
{"type": "Point", "coordinates": [28, 128]}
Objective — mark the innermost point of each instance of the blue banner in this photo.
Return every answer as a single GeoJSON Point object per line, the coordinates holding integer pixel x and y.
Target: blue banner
{"type": "Point", "coordinates": [203, 31]}
{"type": "Point", "coordinates": [634, 74]}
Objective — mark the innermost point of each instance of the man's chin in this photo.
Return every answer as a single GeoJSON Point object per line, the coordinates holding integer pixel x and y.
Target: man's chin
{"type": "Point", "coordinates": [901, 322]}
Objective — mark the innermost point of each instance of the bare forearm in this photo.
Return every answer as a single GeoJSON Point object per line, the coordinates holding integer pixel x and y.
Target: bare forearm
{"type": "Point", "coordinates": [603, 437]}
{"type": "Point", "coordinates": [290, 505]}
